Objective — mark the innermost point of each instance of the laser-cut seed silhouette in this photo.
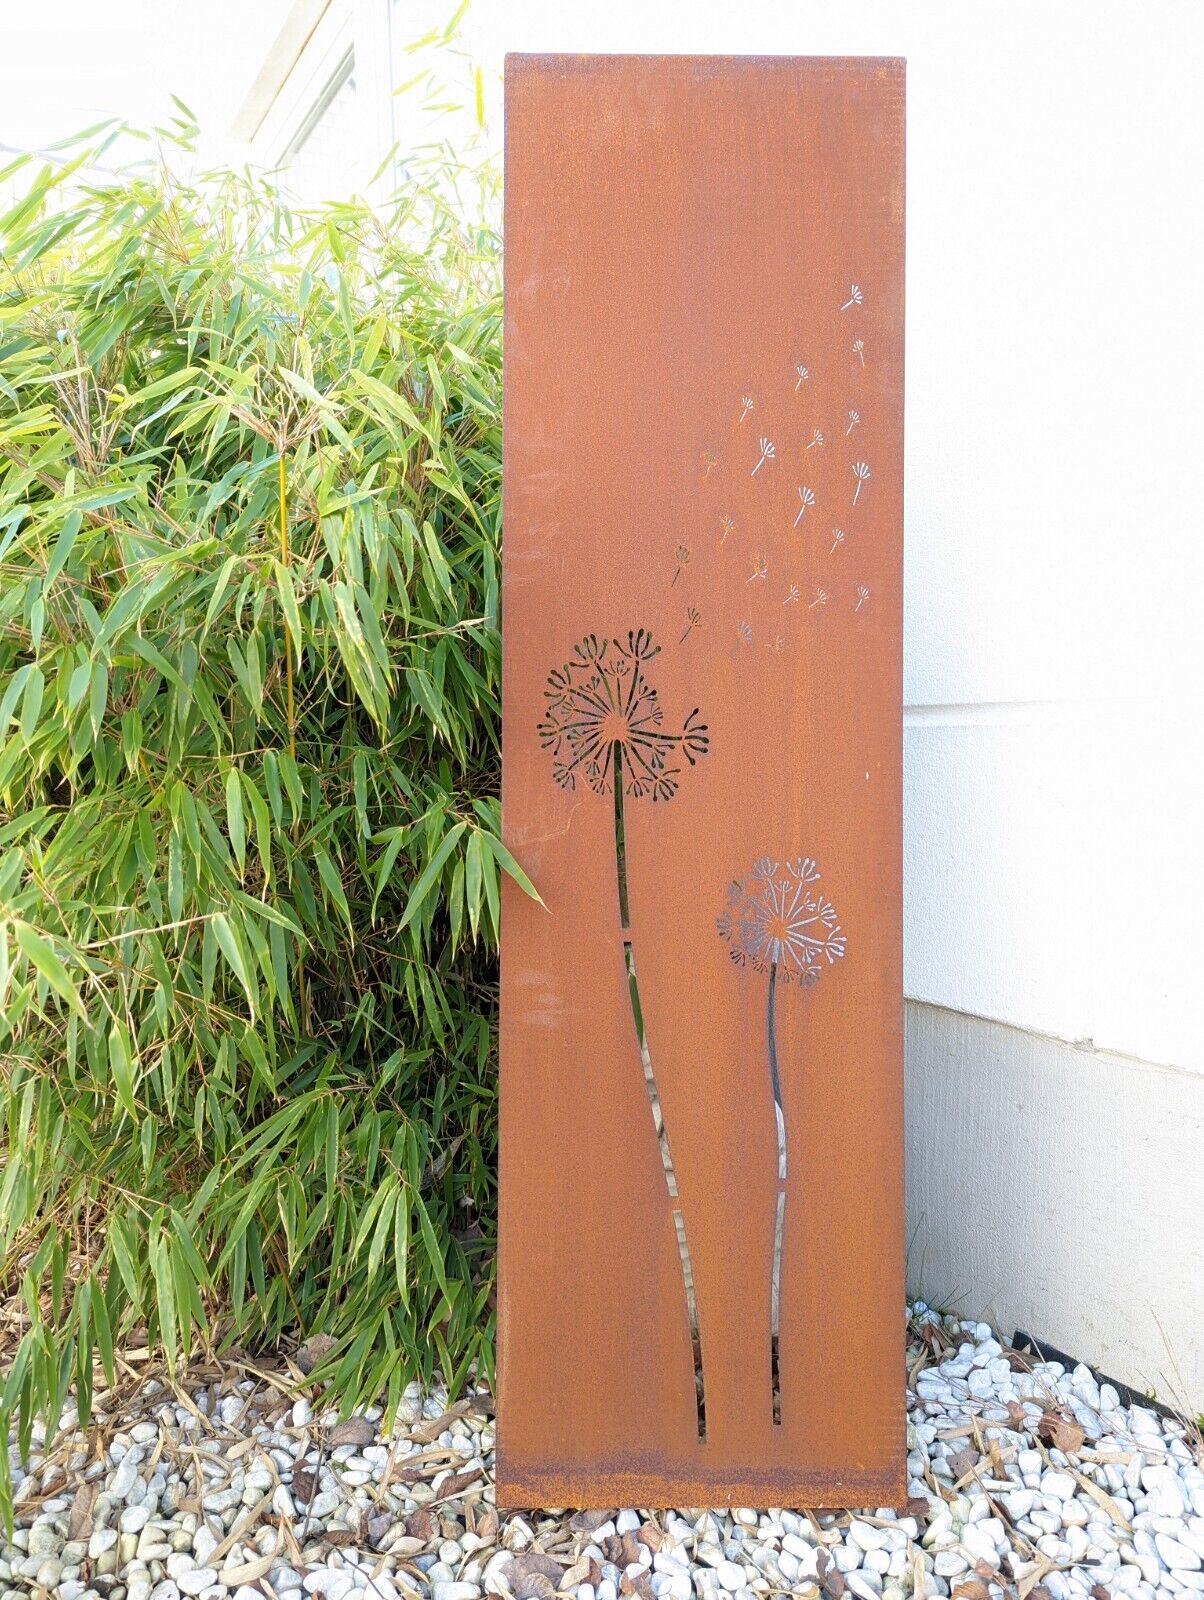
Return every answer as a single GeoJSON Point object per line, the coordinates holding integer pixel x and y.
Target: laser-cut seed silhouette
{"type": "Point", "coordinates": [760, 570]}
{"type": "Point", "coordinates": [744, 633]}
{"type": "Point", "coordinates": [682, 554]}
{"type": "Point", "coordinates": [854, 297]}
{"type": "Point", "coordinates": [861, 472]}
{"type": "Point", "coordinates": [803, 375]}
{"type": "Point", "coordinates": [693, 620]}
{"type": "Point", "coordinates": [792, 595]}
{"type": "Point", "coordinates": [837, 538]}
{"type": "Point", "coordinates": [859, 349]}
{"type": "Point", "coordinates": [816, 438]}
{"type": "Point", "coordinates": [708, 463]}
{"type": "Point", "coordinates": [821, 599]}
{"type": "Point", "coordinates": [778, 645]}
{"type": "Point", "coordinates": [806, 498]}
{"type": "Point", "coordinates": [854, 419]}
{"type": "Point", "coordinates": [603, 721]}
{"type": "Point", "coordinates": [728, 526]}
{"type": "Point", "coordinates": [863, 595]}
{"type": "Point", "coordinates": [746, 402]}
{"type": "Point", "coordinates": [776, 924]}
{"type": "Point", "coordinates": [767, 454]}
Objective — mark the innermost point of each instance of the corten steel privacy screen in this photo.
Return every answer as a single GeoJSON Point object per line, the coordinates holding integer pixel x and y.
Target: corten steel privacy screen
{"type": "Point", "coordinates": [701, 1159]}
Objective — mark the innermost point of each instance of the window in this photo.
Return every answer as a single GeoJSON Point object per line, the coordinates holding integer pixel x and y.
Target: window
{"type": "Point", "coordinates": [320, 112]}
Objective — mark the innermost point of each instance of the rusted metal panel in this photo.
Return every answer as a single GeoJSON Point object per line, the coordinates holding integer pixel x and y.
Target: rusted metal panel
{"type": "Point", "coordinates": [701, 1193]}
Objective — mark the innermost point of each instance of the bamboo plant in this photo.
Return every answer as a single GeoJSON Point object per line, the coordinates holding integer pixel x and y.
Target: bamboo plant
{"type": "Point", "coordinates": [249, 834]}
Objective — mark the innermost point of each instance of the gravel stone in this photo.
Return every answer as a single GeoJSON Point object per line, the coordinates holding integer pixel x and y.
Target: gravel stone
{"type": "Point", "coordinates": [198, 1580]}
{"type": "Point", "coordinates": [339, 1521]}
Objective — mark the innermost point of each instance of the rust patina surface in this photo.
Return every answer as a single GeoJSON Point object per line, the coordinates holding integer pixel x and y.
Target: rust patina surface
{"type": "Point", "coordinates": [701, 1168]}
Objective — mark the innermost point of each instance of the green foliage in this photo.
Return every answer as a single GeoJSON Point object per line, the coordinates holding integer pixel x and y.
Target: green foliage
{"type": "Point", "coordinates": [249, 855]}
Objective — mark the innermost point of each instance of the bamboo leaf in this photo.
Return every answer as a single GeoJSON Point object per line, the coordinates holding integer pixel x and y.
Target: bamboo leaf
{"type": "Point", "coordinates": [61, 553]}
{"type": "Point", "coordinates": [42, 954]}
{"type": "Point", "coordinates": [426, 879]}
{"type": "Point", "coordinates": [510, 866]}
{"type": "Point", "coordinates": [121, 1065]}
{"type": "Point", "coordinates": [235, 825]}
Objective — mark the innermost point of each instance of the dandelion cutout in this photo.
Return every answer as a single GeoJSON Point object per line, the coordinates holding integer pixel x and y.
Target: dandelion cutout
{"type": "Point", "coordinates": [803, 375]}
{"type": "Point", "coordinates": [821, 599]}
{"type": "Point", "coordinates": [778, 645]}
{"type": "Point", "coordinates": [760, 570]}
{"type": "Point", "coordinates": [863, 595]}
{"type": "Point", "coordinates": [854, 419]}
{"type": "Point", "coordinates": [806, 498]}
{"type": "Point", "coordinates": [746, 404]}
{"type": "Point", "coordinates": [708, 463]}
{"type": "Point", "coordinates": [744, 633]}
{"type": "Point", "coordinates": [682, 553]}
{"type": "Point", "coordinates": [854, 297]}
{"type": "Point", "coordinates": [792, 595]}
{"type": "Point", "coordinates": [861, 472]}
{"type": "Point", "coordinates": [767, 454]}
{"type": "Point", "coordinates": [603, 722]}
{"type": "Point", "coordinates": [693, 620]}
{"type": "Point", "coordinates": [728, 526]}
{"type": "Point", "coordinates": [859, 350]}
{"type": "Point", "coordinates": [777, 924]}
{"type": "Point", "coordinates": [817, 438]}
{"type": "Point", "coordinates": [837, 539]}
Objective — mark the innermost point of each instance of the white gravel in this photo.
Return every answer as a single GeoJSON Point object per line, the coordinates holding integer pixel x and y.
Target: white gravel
{"type": "Point", "coordinates": [1025, 1485]}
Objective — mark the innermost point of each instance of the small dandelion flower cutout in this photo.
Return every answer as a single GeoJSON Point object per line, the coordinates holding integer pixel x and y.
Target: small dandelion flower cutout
{"type": "Point", "coordinates": [778, 645]}
{"type": "Point", "coordinates": [859, 350]}
{"type": "Point", "coordinates": [817, 438]}
{"type": "Point", "coordinates": [774, 917]}
{"type": "Point", "coordinates": [855, 296]}
{"type": "Point", "coordinates": [693, 620]}
{"type": "Point", "coordinates": [792, 595]}
{"type": "Point", "coordinates": [746, 405]}
{"type": "Point", "coordinates": [821, 599]}
{"type": "Point", "coordinates": [861, 472]}
{"type": "Point", "coordinates": [854, 419]}
{"type": "Point", "coordinates": [728, 526]}
{"type": "Point", "coordinates": [806, 497]}
{"type": "Point", "coordinates": [744, 633]}
{"type": "Point", "coordinates": [863, 595]}
{"type": "Point", "coordinates": [767, 454]}
{"type": "Point", "coordinates": [803, 375]}
{"type": "Point", "coordinates": [682, 554]}
{"type": "Point", "coordinates": [759, 571]}
{"type": "Point", "coordinates": [708, 463]}
{"type": "Point", "coordinates": [837, 539]}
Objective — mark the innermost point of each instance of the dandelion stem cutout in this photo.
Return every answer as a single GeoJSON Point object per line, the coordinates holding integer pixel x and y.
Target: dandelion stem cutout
{"type": "Point", "coordinates": [700, 1235]}
{"type": "Point", "coordinates": [604, 727]}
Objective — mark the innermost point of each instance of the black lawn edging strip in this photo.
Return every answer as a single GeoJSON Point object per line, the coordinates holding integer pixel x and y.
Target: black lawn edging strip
{"type": "Point", "coordinates": [1044, 1351]}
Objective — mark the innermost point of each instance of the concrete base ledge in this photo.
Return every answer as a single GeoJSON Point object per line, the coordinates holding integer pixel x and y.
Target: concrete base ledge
{"type": "Point", "coordinates": [1059, 1190]}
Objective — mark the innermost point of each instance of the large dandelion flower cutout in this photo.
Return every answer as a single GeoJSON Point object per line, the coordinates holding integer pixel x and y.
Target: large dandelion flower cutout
{"type": "Point", "coordinates": [775, 917]}
{"type": "Point", "coordinates": [603, 716]}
